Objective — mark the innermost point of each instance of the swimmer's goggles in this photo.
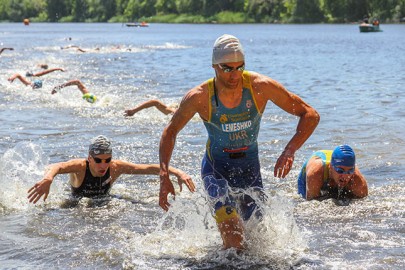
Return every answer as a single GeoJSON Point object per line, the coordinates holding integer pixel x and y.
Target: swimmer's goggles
{"type": "Point", "coordinates": [99, 160]}
{"type": "Point", "coordinates": [228, 69]}
{"type": "Point", "coordinates": [343, 171]}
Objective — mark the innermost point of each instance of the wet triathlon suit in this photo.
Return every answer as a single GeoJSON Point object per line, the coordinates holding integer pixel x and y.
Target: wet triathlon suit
{"type": "Point", "coordinates": [231, 149]}
{"type": "Point", "coordinates": [332, 192]}
{"type": "Point", "coordinates": [92, 186]}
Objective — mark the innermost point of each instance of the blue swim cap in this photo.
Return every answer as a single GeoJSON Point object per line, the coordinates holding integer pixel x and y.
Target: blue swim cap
{"type": "Point", "coordinates": [37, 84]}
{"type": "Point", "coordinates": [343, 155]}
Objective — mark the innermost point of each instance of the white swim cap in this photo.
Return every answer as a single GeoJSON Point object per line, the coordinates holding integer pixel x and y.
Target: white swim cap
{"type": "Point", "coordinates": [227, 49]}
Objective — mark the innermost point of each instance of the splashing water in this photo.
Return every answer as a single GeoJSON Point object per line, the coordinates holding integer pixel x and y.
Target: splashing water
{"type": "Point", "coordinates": [18, 167]}
{"type": "Point", "coordinates": [188, 235]}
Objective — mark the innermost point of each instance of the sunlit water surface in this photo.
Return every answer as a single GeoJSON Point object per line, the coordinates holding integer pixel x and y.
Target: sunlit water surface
{"type": "Point", "coordinates": [355, 81]}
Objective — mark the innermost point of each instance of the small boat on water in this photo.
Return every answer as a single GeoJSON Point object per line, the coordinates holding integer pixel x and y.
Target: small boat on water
{"type": "Point", "coordinates": [137, 24]}
{"type": "Point", "coordinates": [370, 27]}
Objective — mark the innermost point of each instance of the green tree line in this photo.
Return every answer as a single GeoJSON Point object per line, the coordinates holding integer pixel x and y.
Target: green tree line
{"type": "Point", "coordinates": [202, 11]}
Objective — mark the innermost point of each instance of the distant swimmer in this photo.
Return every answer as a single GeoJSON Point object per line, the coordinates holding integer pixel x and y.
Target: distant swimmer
{"type": "Point", "coordinates": [165, 109]}
{"type": "Point", "coordinates": [44, 72]}
{"type": "Point", "coordinates": [95, 175]}
{"type": "Point", "coordinates": [3, 49]}
{"type": "Point", "coordinates": [35, 84]}
{"type": "Point", "coordinates": [74, 47]}
{"type": "Point", "coordinates": [42, 66]}
{"type": "Point", "coordinates": [121, 48]}
{"type": "Point", "coordinates": [77, 48]}
{"type": "Point", "coordinates": [231, 105]}
{"type": "Point", "coordinates": [89, 97]}
{"type": "Point", "coordinates": [332, 174]}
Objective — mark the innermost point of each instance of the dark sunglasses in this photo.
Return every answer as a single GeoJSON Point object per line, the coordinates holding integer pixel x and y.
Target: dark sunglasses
{"type": "Point", "coordinates": [342, 171]}
{"type": "Point", "coordinates": [99, 160]}
{"type": "Point", "coordinates": [228, 69]}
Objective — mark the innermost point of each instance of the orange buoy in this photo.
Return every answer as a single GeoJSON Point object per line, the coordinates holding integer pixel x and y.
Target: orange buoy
{"type": "Point", "coordinates": [26, 21]}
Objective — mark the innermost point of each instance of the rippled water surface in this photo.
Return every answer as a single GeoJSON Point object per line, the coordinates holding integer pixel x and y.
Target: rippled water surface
{"type": "Point", "coordinates": [355, 81]}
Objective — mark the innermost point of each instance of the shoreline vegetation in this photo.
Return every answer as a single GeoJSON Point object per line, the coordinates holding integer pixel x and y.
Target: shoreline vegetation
{"type": "Point", "coordinates": [229, 18]}
{"type": "Point", "coordinates": [203, 11]}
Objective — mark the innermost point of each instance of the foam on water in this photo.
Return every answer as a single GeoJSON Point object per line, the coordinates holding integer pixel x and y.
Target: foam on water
{"type": "Point", "coordinates": [20, 168]}
{"type": "Point", "coordinates": [358, 103]}
{"type": "Point", "coordinates": [188, 233]}
{"type": "Point", "coordinates": [168, 45]}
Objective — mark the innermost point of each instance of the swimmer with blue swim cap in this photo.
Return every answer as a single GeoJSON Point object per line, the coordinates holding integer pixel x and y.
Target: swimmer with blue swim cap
{"type": "Point", "coordinates": [343, 155]}
{"type": "Point", "coordinates": [36, 84]}
{"type": "Point", "coordinates": [332, 173]}
{"type": "Point", "coordinates": [89, 97]}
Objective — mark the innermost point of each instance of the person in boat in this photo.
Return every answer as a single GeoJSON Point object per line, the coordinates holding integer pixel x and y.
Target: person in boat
{"type": "Point", "coordinates": [376, 22]}
{"type": "Point", "coordinates": [165, 109]}
{"type": "Point", "coordinates": [332, 174]}
{"type": "Point", "coordinates": [231, 106]}
{"type": "Point", "coordinates": [86, 94]}
{"type": "Point", "coordinates": [36, 83]}
{"type": "Point", "coordinates": [365, 19]}
{"type": "Point", "coordinates": [94, 176]}
{"type": "Point", "coordinates": [3, 49]}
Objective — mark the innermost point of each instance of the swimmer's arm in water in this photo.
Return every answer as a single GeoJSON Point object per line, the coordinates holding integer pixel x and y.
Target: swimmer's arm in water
{"type": "Point", "coordinates": [150, 103]}
{"type": "Point", "coordinates": [42, 187]}
{"type": "Point", "coordinates": [124, 167]}
{"type": "Point", "coordinates": [41, 73]}
{"type": "Point", "coordinates": [3, 49]}
{"type": "Point", "coordinates": [77, 83]}
{"type": "Point", "coordinates": [182, 177]}
{"type": "Point", "coordinates": [267, 89]}
{"type": "Point", "coordinates": [74, 46]}
{"type": "Point", "coordinates": [19, 77]}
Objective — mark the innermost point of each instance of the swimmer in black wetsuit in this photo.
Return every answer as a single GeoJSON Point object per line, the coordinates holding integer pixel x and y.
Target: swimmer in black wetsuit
{"type": "Point", "coordinates": [95, 175]}
{"type": "Point", "coordinates": [92, 185]}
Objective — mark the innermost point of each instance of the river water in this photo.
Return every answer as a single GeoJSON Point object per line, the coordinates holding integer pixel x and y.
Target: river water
{"type": "Point", "coordinates": [355, 81]}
